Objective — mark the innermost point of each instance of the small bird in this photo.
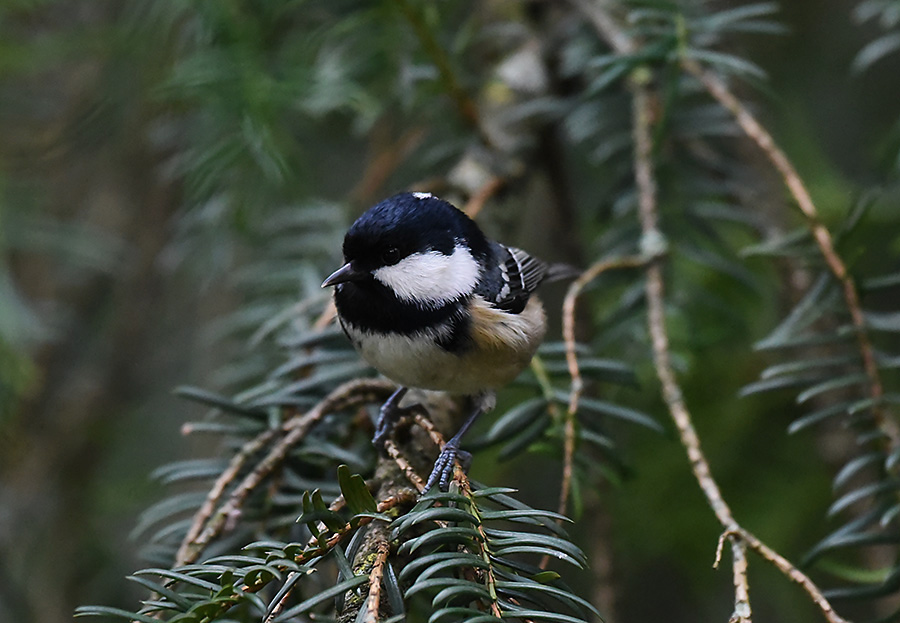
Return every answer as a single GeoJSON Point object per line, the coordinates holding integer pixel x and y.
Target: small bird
{"type": "Point", "coordinates": [431, 303]}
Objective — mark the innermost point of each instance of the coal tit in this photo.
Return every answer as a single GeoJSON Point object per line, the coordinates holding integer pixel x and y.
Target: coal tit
{"type": "Point", "coordinates": [431, 303]}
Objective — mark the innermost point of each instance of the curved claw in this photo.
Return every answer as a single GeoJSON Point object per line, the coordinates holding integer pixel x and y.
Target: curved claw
{"type": "Point", "coordinates": [379, 439]}
{"type": "Point", "coordinates": [388, 415]}
{"type": "Point", "coordinates": [443, 468]}
{"type": "Point", "coordinates": [442, 472]}
{"type": "Point", "coordinates": [382, 431]}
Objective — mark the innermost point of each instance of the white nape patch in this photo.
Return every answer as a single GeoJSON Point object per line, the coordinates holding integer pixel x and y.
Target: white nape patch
{"type": "Point", "coordinates": [431, 279]}
{"type": "Point", "coordinates": [422, 195]}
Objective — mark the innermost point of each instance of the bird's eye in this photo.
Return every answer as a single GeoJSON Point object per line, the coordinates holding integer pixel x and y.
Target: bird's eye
{"type": "Point", "coordinates": [390, 256]}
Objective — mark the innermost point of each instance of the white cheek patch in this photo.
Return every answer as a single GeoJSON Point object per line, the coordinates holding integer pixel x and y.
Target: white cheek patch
{"type": "Point", "coordinates": [431, 278]}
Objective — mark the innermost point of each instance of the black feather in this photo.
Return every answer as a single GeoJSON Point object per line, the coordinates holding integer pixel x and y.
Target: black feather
{"type": "Point", "coordinates": [515, 276]}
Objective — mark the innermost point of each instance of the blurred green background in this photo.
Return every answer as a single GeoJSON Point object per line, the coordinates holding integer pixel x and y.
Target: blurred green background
{"type": "Point", "coordinates": [144, 148]}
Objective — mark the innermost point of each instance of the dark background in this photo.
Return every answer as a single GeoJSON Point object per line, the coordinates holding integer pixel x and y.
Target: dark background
{"type": "Point", "coordinates": [115, 264]}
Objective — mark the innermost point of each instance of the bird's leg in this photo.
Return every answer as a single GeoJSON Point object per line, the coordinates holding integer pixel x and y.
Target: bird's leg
{"type": "Point", "coordinates": [443, 466]}
{"type": "Point", "coordinates": [388, 415]}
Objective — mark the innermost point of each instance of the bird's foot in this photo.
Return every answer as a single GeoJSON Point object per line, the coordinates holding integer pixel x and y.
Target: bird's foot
{"type": "Point", "coordinates": [389, 414]}
{"type": "Point", "coordinates": [442, 471]}
{"type": "Point", "coordinates": [385, 425]}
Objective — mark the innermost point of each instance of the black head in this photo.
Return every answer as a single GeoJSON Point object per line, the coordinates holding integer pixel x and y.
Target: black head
{"type": "Point", "coordinates": [410, 261]}
{"type": "Point", "coordinates": [410, 223]}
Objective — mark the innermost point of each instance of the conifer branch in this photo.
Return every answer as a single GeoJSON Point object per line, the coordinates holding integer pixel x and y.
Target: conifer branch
{"type": "Point", "coordinates": [358, 391]}
{"type": "Point", "coordinates": [756, 132]}
{"type": "Point", "coordinates": [465, 105]}
{"type": "Point", "coordinates": [672, 395]}
{"type": "Point", "coordinates": [609, 29]}
{"type": "Point", "coordinates": [577, 382]}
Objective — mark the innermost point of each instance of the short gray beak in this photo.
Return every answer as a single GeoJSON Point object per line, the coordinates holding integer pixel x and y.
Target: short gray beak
{"type": "Point", "coordinates": [343, 274]}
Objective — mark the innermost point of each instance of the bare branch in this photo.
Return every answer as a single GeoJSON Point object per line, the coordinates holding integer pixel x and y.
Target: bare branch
{"type": "Point", "coordinates": [792, 572]}
{"type": "Point", "coordinates": [358, 391]}
{"type": "Point", "coordinates": [373, 601]}
{"type": "Point", "coordinates": [742, 611]}
{"type": "Point", "coordinates": [672, 394]}
{"type": "Point", "coordinates": [755, 131]}
{"type": "Point", "coordinates": [610, 30]}
{"type": "Point", "coordinates": [408, 470]}
{"type": "Point", "coordinates": [237, 463]}
{"type": "Point", "coordinates": [577, 385]}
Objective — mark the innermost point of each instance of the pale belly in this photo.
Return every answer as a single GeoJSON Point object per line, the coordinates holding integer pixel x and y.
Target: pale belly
{"type": "Point", "coordinates": [497, 356]}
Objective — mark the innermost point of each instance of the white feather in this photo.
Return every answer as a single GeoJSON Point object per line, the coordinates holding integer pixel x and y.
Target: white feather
{"type": "Point", "coordinates": [431, 279]}
{"type": "Point", "coordinates": [503, 344]}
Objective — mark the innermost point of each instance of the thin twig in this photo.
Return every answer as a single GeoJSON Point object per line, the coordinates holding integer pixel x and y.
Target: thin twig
{"type": "Point", "coordinates": [408, 470]}
{"type": "Point", "coordinates": [647, 209]}
{"type": "Point", "coordinates": [672, 395]}
{"type": "Point", "coordinates": [357, 391]}
{"type": "Point", "coordinates": [741, 612]}
{"type": "Point", "coordinates": [609, 29]}
{"type": "Point", "coordinates": [794, 574]}
{"type": "Point", "coordinates": [218, 490]}
{"type": "Point", "coordinates": [490, 578]}
{"type": "Point", "coordinates": [459, 474]}
{"type": "Point", "coordinates": [428, 426]}
{"type": "Point", "coordinates": [314, 549]}
{"type": "Point", "coordinates": [577, 385]}
{"type": "Point", "coordinates": [436, 438]}
{"type": "Point", "coordinates": [646, 184]}
{"type": "Point", "coordinates": [755, 131]}
{"type": "Point", "coordinates": [373, 601]}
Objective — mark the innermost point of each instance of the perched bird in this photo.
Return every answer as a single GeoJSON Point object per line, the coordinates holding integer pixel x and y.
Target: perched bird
{"type": "Point", "coordinates": [431, 303]}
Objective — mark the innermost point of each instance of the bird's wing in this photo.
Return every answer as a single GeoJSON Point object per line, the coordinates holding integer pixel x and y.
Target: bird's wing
{"type": "Point", "coordinates": [520, 275]}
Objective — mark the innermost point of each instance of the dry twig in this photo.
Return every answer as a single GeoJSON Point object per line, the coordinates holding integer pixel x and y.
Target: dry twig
{"type": "Point", "coordinates": [610, 30]}
{"type": "Point", "coordinates": [373, 601]}
{"type": "Point", "coordinates": [742, 611]}
{"type": "Point", "coordinates": [218, 490]}
{"type": "Point", "coordinates": [738, 536]}
{"type": "Point", "coordinates": [313, 548]}
{"type": "Point", "coordinates": [577, 385]}
{"type": "Point", "coordinates": [754, 130]}
{"type": "Point", "coordinates": [408, 470]}
{"type": "Point", "coordinates": [792, 572]}
{"type": "Point", "coordinates": [428, 426]}
{"type": "Point", "coordinates": [293, 431]}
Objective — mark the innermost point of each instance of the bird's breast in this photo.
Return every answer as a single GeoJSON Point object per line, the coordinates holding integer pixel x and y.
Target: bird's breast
{"type": "Point", "coordinates": [501, 346]}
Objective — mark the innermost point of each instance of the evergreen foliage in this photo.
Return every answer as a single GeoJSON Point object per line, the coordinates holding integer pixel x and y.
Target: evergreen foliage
{"type": "Point", "coordinates": [518, 112]}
